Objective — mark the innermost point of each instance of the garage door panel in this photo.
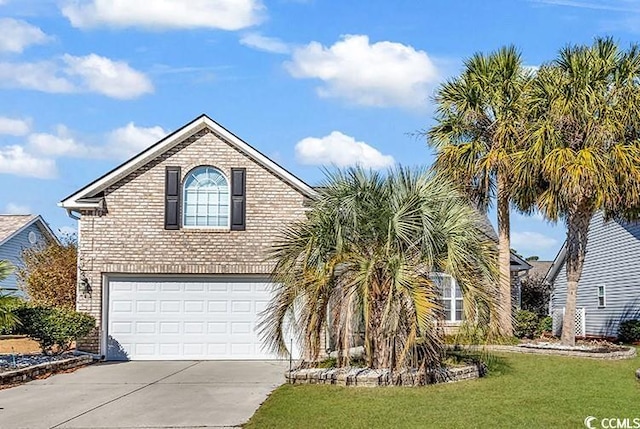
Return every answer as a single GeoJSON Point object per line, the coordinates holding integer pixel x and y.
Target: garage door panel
{"type": "Point", "coordinates": [152, 319]}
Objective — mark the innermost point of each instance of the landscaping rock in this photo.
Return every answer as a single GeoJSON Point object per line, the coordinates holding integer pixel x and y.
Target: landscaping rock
{"type": "Point", "coordinates": [365, 377]}
{"type": "Point", "coordinates": [623, 353]}
{"type": "Point", "coordinates": [11, 362]}
{"type": "Point", "coordinates": [50, 367]}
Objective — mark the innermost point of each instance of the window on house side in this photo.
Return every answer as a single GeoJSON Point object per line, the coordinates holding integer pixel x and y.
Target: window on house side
{"type": "Point", "coordinates": [451, 297]}
{"type": "Point", "coordinates": [602, 296]}
{"type": "Point", "coordinates": [206, 198]}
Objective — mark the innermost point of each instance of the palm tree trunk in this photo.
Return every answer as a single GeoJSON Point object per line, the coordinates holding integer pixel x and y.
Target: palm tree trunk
{"type": "Point", "coordinates": [504, 258]}
{"type": "Point", "coordinates": [577, 230]}
{"type": "Point", "coordinates": [379, 340]}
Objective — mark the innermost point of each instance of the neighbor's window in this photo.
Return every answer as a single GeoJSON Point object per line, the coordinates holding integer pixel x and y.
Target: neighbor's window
{"type": "Point", "coordinates": [451, 297]}
{"type": "Point", "coordinates": [602, 296]}
{"type": "Point", "coordinates": [206, 198]}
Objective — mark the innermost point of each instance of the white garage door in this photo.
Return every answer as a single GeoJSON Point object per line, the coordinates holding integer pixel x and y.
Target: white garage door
{"type": "Point", "coordinates": [172, 319]}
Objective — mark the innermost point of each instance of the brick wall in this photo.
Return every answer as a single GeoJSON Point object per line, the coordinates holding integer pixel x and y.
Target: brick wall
{"type": "Point", "coordinates": [130, 237]}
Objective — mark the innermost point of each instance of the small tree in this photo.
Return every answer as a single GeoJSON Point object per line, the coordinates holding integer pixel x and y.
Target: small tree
{"type": "Point", "coordinates": [49, 273]}
{"type": "Point", "coordinates": [8, 318]}
{"type": "Point", "coordinates": [364, 258]}
{"type": "Point", "coordinates": [535, 294]}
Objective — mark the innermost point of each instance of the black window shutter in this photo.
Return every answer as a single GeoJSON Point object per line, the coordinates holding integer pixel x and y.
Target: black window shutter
{"type": "Point", "coordinates": [238, 199]}
{"type": "Point", "coordinates": [172, 198]}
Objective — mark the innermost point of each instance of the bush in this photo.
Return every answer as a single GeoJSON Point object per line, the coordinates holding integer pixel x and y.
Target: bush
{"type": "Point", "coordinates": [48, 273]}
{"type": "Point", "coordinates": [545, 325]}
{"type": "Point", "coordinates": [535, 294]}
{"type": "Point", "coordinates": [526, 324]}
{"type": "Point", "coordinates": [629, 331]}
{"type": "Point", "coordinates": [8, 319]}
{"type": "Point", "coordinates": [54, 328]}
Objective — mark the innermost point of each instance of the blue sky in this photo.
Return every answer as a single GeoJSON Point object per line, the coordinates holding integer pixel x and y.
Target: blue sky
{"type": "Point", "coordinates": [86, 84]}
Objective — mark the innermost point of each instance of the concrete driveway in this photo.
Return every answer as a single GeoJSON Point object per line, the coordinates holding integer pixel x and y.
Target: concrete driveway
{"type": "Point", "coordinates": [178, 394]}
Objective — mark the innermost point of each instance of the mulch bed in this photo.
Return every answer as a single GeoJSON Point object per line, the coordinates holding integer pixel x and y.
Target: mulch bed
{"type": "Point", "coordinates": [582, 346]}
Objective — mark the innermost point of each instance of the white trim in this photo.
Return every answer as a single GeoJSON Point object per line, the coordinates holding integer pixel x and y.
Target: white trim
{"type": "Point", "coordinates": [183, 184]}
{"type": "Point", "coordinates": [451, 320]}
{"type": "Point", "coordinates": [103, 332]}
{"type": "Point", "coordinates": [604, 295]}
{"type": "Point", "coordinates": [72, 202]}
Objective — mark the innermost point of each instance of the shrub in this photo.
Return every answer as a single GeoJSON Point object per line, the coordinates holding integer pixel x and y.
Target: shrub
{"type": "Point", "coordinates": [54, 328]}
{"type": "Point", "coordinates": [545, 325]}
{"type": "Point", "coordinates": [8, 318]}
{"type": "Point", "coordinates": [526, 324]}
{"type": "Point", "coordinates": [629, 331]}
{"type": "Point", "coordinates": [48, 274]}
{"type": "Point", "coordinates": [535, 294]}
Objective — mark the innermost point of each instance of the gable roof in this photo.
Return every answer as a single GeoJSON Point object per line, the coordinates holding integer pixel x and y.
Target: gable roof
{"type": "Point", "coordinates": [540, 268]}
{"type": "Point", "coordinates": [12, 225]}
{"type": "Point", "coordinates": [85, 197]}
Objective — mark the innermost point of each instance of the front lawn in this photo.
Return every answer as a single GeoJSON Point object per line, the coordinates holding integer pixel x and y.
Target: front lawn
{"type": "Point", "coordinates": [529, 391]}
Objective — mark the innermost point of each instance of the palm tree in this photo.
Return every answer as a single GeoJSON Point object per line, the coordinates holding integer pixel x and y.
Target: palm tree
{"type": "Point", "coordinates": [583, 155]}
{"type": "Point", "coordinates": [364, 258]}
{"type": "Point", "coordinates": [482, 119]}
{"type": "Point", "coordinates": [7, 303]}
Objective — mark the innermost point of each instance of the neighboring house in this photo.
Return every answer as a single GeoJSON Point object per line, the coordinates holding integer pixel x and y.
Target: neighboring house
{"type": "Point", "coordinates": [172, 244]}
{"type": "Point", "coordinates": [17, 233]}
{"type": "Point", "coordinates": [609, 288]}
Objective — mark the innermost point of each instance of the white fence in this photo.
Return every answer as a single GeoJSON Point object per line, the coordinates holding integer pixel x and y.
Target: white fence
{"type": "Point", "coordinates": [581, 321]}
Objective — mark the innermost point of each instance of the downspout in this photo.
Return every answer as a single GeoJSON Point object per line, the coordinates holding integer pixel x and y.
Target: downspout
{"type": "Point", "coordinates": [72, 215]}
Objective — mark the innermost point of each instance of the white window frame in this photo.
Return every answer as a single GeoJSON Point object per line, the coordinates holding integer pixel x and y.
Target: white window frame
{"type": "Point", "coordinates": [602, 297]}
{"type": "Point", "coordinates": [184, 201]}
{"type": "Point", "coordinates": [454, 300]}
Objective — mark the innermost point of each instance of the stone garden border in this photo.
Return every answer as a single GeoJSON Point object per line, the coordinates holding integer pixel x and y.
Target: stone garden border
{"type": "Point", "coordinates": [28, 373]}
{"type": "Point", "coordinates": [630, 353]}
{"type": "Point", "coordinates": [364, 377]}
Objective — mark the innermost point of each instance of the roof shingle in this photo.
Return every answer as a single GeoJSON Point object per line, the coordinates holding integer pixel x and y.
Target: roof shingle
{"type": "Point", "coordinates": [9, 224]}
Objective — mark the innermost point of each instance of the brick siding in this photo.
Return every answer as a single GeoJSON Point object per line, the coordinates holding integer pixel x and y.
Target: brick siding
{"type": "Point", "coordinates": [130, 237]}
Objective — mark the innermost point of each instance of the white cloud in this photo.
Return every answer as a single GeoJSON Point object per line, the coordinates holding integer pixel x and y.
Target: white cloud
{"type": "Point", "coordinates": [15, 160]}
{"type": "Point", "coordinates": [340, 150]}
{"type": "Point", "coordinates": [14, 126]}
{"type": "Point", "coordinates": [60, 144]}
{"type": "Point", "coordinates": [120, 143]}
{"type": "Point", "coordinates": [91, 73]}
{"type": "Point", "coordinates": [164, 14]}
{"type": "Point", "coordinates": [531, 242]}
{"type": "Point", "coordinates": [112, 78]}
{"type": "Point", "coordinates": [378, 74]}
{"type": "Point", "coordinates": [18, 34]}
{"type": "Point", "coordinates": [264, 43]}
{"type": "Point", "coordinates": [16, 209]}
{"type": "Point", "coordinates": [129, 140]}
{"type": "Point", "coordinates": [40, 76]}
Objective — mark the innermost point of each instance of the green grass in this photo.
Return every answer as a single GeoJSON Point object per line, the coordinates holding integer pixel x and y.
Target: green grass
{"type": "Point", "coordinates": [522, 391]}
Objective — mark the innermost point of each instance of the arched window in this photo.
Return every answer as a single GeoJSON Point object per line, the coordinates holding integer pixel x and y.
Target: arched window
{"type": "Point", "coordinates": [206, 198]}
